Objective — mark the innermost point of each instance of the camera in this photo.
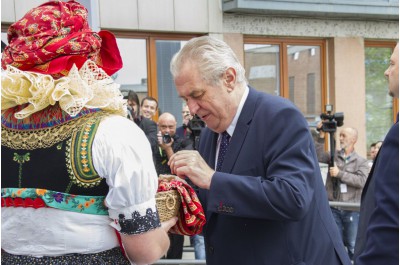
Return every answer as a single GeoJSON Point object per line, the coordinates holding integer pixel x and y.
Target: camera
{"type": "Point", "coordinates": [166, 138]}
{"type": "Point", "coordinates": [196, 124]}
{"type": "Point", "coordinates": [334, 120]}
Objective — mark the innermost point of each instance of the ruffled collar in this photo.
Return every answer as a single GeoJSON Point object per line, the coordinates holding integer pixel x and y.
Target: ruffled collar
{"type": "Point", "coordinates": [87, 88]}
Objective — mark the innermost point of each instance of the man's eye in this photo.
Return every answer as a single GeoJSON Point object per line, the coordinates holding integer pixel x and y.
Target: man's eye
{"type": "Point", "coordinates": [199, 95]}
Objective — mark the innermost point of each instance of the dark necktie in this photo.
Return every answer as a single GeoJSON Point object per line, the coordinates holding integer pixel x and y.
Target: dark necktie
{"type": "Point", "coordinates": [222, 149]}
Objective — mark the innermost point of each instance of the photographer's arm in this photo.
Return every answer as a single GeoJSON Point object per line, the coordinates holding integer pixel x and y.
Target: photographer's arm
{"type": "Point", "coordinates": [322, 155]}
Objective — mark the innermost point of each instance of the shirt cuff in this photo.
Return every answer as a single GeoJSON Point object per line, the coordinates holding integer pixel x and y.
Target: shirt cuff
{"type": "Point", "coordinates": [136, 219]}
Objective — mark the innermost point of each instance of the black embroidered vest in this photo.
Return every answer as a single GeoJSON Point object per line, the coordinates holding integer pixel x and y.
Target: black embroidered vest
{"type": "Point", "coordinates": [53, 154]}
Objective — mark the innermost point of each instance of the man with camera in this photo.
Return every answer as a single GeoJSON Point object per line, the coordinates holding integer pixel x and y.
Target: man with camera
{"type": "Point", "coordinates": [345, 182]}
{"type": "Point", "coordinates": [168, 144]}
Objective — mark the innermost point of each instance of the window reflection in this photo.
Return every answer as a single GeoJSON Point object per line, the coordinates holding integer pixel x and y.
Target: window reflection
{"type": "Point", "coordinates": [133, 75]}
{"type": "Point", "coordinates": [263, 67]}
{"type": "Point", "coordinates": [301, 73]}
{"type": "Point", "coordinates": [168, 99]}
{"type": "Point", "coordinates": [304, 71]}
{"type": "Point", "coordinates": [379, 105]}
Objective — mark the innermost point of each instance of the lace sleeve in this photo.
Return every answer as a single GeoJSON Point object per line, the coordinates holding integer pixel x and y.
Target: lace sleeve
{"type": "Point", "coordinates": [122, 155]}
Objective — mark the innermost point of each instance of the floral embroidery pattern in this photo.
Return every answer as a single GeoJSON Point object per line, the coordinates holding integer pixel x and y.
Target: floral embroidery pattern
{"type": "Point", "coordinates": [20, 159]}
{"type": "Point", "coordinates": [59, 200]}
{"type": "Point", "coordinates": [79, 156]}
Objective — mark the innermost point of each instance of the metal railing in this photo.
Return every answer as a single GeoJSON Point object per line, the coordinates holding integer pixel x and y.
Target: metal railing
{"type": "Point", "coordinates": [181, 261]}
{"type": "Point", "coordinates": [345, 204]}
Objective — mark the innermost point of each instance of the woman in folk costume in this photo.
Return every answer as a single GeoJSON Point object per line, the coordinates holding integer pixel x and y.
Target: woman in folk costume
{"type": "Point", "coordinates": [77, 177]}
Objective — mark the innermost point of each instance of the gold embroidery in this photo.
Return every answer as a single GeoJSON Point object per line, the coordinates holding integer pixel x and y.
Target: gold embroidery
{"type": "Point", "coordinates": [79, 156]}
{"type": "Point", "coordinates": [43, 138]}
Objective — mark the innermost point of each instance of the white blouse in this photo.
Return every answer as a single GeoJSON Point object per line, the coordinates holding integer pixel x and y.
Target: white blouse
{"type": "Point", "coordinates": [121, 154]}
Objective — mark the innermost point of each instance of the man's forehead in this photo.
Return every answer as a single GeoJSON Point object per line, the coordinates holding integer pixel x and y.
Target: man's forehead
{"type": "Point", "coordinates": [192, 92]}
{"type": "Point", "coordinates": [149, 102]}
{"type": "Point", "coordinates": [167, 122]}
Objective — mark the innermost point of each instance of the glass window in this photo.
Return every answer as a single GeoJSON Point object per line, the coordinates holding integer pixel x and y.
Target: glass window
{"type": "Point", "coordinates": [379, 105]}
{"type": "Point", "coordinates": [292, 69]}
{"type": "Point", "coordinates": [168, 98]}
{"type": "Point", "coordinates": [133, 75]}
{"type": "Point", "coordinates": [146, 58]}
{"type": "Point", "coordinates": [263, 67]}
{"type": "Point", "coordinates": [304, 66]}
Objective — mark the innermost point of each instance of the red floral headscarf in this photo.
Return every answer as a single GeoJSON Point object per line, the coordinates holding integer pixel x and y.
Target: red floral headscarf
{"type": "Point", "coordinates": [52, 37]}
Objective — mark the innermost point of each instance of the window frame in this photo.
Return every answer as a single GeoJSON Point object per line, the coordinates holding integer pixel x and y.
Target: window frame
{"type": "Point", "coordinates": [284, 76]}
{"type": "Point", "coordinates": [151, 53]}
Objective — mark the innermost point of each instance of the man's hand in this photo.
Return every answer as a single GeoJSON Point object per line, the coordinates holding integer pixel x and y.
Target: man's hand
{"type": "Point", "coordinates": [319, 129]}
{"type": "Point", "coordinates": [333, 171]}
{"type": "Point", "coordinates": [189, 163]}
{"type": "Point", "coordinates": [164, 146]}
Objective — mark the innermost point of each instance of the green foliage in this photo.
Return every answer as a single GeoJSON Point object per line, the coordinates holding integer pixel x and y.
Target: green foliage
{"type": "Point", "coordinates": [379, 105]}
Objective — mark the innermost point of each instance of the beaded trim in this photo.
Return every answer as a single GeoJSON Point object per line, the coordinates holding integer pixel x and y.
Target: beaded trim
{"type": "Point", "coordinates": [48, 117]}
{"type": "Point", "coordinates": [59, 200]}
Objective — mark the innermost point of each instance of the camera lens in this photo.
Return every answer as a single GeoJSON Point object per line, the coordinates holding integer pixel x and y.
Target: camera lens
{"type": "Point", "coordinates": [166, 138]}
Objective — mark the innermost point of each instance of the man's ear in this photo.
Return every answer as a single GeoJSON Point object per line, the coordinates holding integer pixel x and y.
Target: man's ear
{"type": "Point", "coordinates": [230, 78]}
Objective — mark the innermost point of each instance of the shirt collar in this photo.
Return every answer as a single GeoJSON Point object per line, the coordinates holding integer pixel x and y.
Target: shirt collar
{"type": "Point", "coordinates": [232, 126]}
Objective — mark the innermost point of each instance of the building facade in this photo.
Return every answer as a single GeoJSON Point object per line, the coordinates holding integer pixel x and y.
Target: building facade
{"type": "Point", "coordinates": [311, 52]}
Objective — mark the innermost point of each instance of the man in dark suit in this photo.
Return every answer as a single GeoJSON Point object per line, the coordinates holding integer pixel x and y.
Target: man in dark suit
{"type": "Point", "coordinates": [183, 131]}
{"type": "Point", "coordinates": [265, 202]}
{"type": "Point", "coordinates": [378, 230]}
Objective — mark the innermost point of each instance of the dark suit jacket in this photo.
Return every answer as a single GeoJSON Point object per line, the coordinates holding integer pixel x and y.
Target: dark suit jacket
{"type": "Point", "coordinates": [150, 129]}
{"type": "Point", "coordinates": [269, 204]}
{"type": "Point", "coordinates": [378, 230]}
{"type": "Point", "coordinates": [180, 131]}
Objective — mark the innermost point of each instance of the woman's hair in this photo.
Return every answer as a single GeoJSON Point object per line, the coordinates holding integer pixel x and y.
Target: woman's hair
{"type": "Point", "coordinates": [212, 56]}
{"type": "Point", "coordinates": [132, 96]}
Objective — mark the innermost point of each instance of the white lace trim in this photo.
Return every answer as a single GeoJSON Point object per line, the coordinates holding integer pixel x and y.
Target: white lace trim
{"type": "Point", "coordinates": [88, 87]}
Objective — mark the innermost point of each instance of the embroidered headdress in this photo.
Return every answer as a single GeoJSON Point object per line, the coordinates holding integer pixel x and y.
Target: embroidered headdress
{"type": "Point", "coordinates": [52, 37]}
{"type": "Point", "coordinates": [54, 57]}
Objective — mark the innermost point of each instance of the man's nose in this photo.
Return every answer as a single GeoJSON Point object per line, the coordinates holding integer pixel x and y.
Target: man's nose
{"type": "Point", "coordinates": [193, 106]}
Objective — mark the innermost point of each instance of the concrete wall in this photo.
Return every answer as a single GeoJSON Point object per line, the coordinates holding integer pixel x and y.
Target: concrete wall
{"type": "Point", "coordinates": [349, 86]}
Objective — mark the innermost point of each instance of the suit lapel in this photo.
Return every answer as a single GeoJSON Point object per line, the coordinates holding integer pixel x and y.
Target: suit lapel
{"type": "Point", "coordinates": [241, 129]}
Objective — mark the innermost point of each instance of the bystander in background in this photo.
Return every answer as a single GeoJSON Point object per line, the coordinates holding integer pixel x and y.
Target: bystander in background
{"type": "Point", "coordinates": [183, 131]}
{"type": "Point", "coordinates": [148, 126]}
{"type": "Point", "coordinates": [378, 231]}
{"type": "Point", "coordinates": [344, 183]}
{"type": "Point", "coordinates": [168, 144]}
{"type": "Point", "coordinates": [149, 107]}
